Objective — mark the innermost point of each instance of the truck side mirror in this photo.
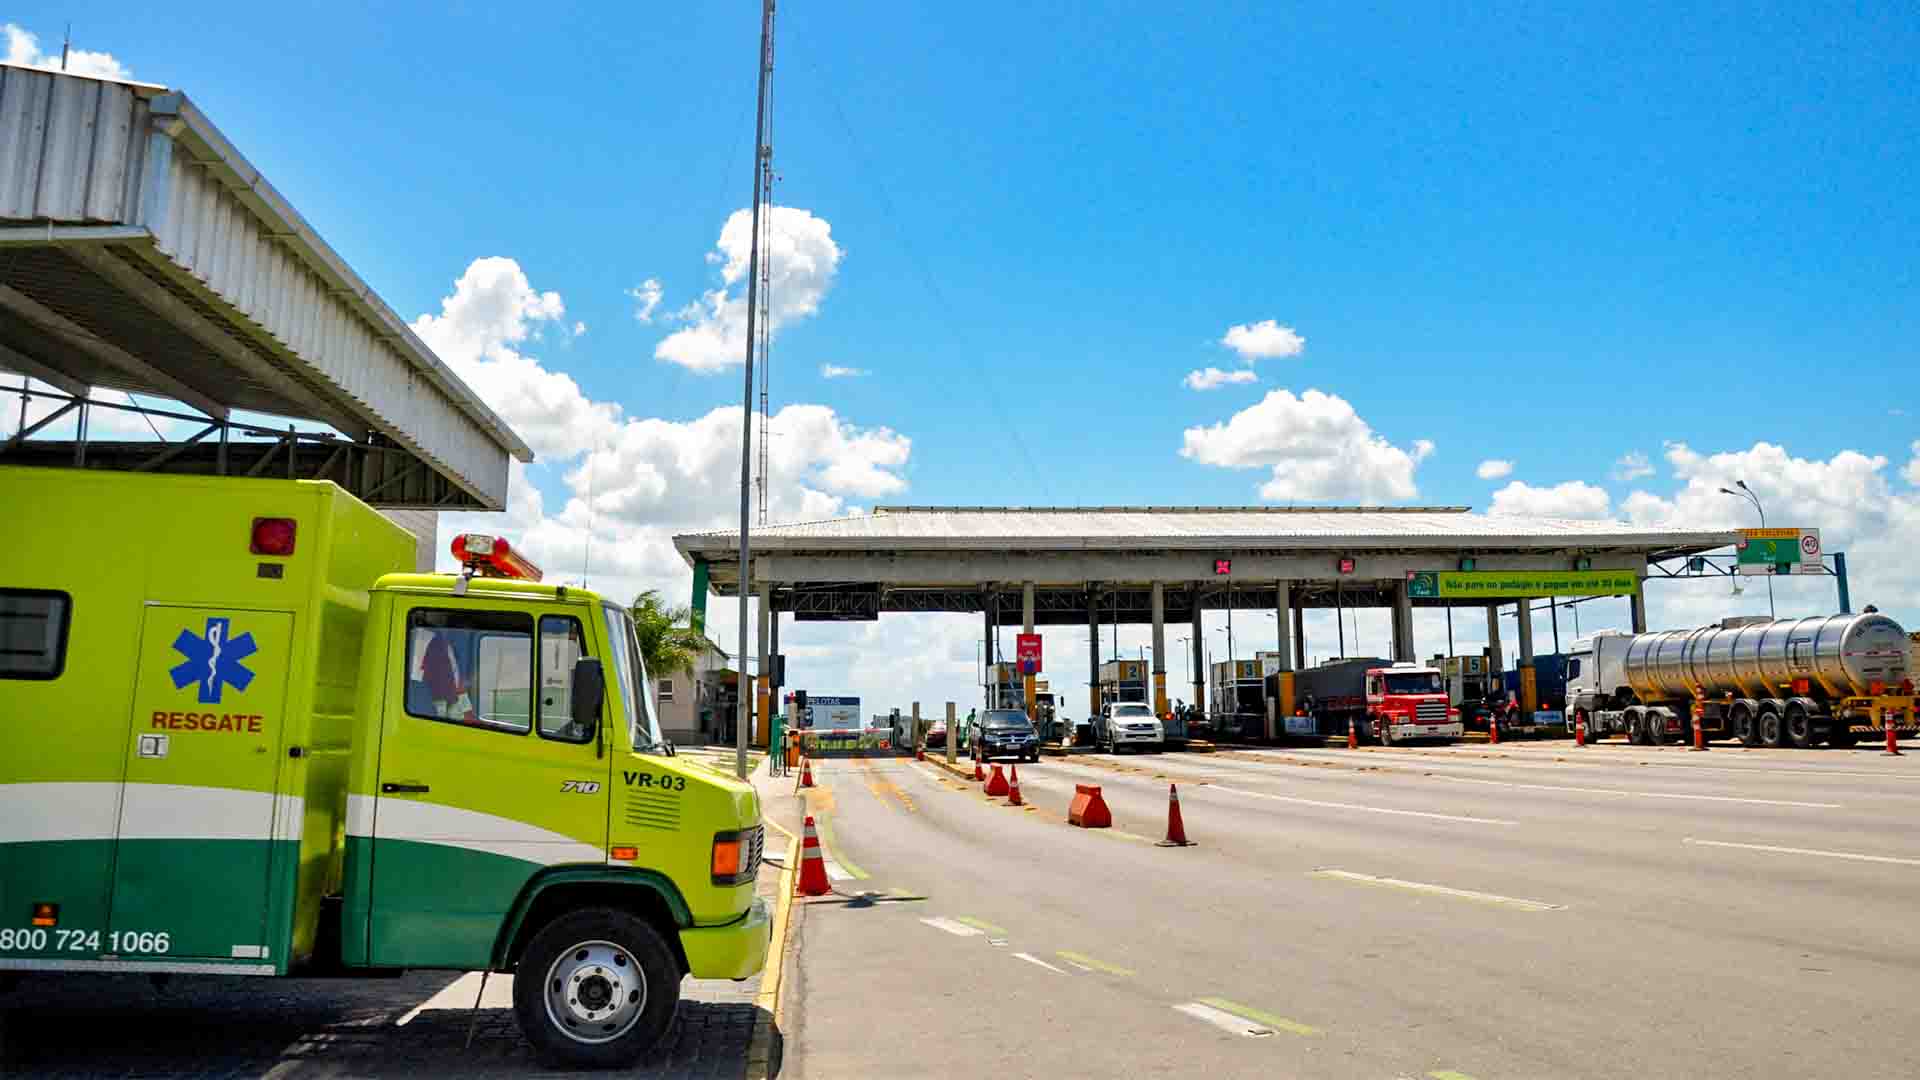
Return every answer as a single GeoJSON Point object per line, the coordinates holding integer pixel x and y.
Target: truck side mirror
{"type": "Point", "coordinates": [589, 691]}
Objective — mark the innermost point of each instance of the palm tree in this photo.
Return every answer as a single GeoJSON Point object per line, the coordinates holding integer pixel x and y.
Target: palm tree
{"type": "Point", "coordinates": [668, 645]}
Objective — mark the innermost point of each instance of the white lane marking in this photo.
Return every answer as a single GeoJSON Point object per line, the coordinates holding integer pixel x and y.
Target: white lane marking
{"type": "Point", "coordinates": [1367, 809]}
{"type": "Point", "coordinates": [1643, 794]}
{"type": "Point", "coordinates": [957, 929]}
{"type": "Point", "coordinates": [1858, 856]}
{"type": "Point", "coordinates": [1440, 890]}
{"type": "Point", "coordinates": [1032, 959]}
{"type": "Point", "coordinates": [1223, 1020]}
{"type": "Point", "coordinates": [1417, 759]}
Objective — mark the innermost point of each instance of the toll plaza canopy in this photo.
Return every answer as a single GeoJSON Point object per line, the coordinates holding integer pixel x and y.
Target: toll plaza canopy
{"type": "Point", "coordinates": [980, 558]}
{"type": "Point", "coordinates": [141, 252]}
{"type": "Point", "coordinates": [1039, 566]}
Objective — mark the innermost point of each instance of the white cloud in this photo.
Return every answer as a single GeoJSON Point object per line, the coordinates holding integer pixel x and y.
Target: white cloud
{"type": "Point", "coordinates": [24, 48]}
{"type": "Point", "coordinates": [802, 259]}
{"type": "Point", "coordinates": [835, 371]}
{"type": "Point", "coordinates": [1494, 469]}
{"type": "Point", "coordinates": [1912, 471]}
{"type": "Point", "coordinates": [1213, 378]}
{"type": "Point", "coordinates": [1318, 448]}
{"type": "Point", "coordinates": [1263, 340]}
{"type": "Point", "coordinates": [579, 329]}
{"type": "Point", "coordinates": [1632, 466]}
{"type": "Point", "coordinates": [630, 483]}
{"type": "Point", "coordinates": [493, 308]}
{"type": "Point", "coordinates": [1848, 497]}
{"type": "Point", "coordinates": [646, 296]}
{"type": "Point", "coordinates": [1573, 499]}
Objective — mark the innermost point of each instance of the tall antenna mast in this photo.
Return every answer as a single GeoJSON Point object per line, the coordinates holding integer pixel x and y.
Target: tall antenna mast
{"type": "Point", "coordinates": [765, 316]}
{"type": "Point", "coordinates": [66, 46]}
{"type": "Point", "coordinates": [760, 156]}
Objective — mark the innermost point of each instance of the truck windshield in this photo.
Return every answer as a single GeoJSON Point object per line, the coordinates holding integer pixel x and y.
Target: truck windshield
{"type": "Point", "coordinates": [630, 672]}
{"type": "Point", "coordinates": [1421, 683]}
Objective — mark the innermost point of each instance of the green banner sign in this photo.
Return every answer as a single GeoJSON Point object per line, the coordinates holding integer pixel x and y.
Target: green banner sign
{"type": "Point", "coordinates": [1514, 584]}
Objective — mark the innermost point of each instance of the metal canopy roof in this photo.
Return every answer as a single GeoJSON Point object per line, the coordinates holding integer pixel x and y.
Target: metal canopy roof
{"type": "Point", "coordinates": [139, 251]}
{"type": "Point", "coordinates": [970, 558]}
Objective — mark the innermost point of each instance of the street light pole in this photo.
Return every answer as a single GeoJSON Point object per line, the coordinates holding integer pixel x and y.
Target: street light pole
{"type": "Point", "coordinates": [1747, 493]}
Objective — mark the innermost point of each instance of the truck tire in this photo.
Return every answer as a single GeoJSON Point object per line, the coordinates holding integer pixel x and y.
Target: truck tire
{"type": "Point", "coordinates": [1773, 730]}
{"type": "Point", "coordinates": [1800, 728]}
{"type": "Point", "coordinates": [1745, 728]}
{"type": "Point", "coordinates": [1636, 722]}
{"type": "Point", "coordinates": [596, 988]}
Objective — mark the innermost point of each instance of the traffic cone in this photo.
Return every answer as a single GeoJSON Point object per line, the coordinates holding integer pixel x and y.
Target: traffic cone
{"type": "Point", "coordinates": [1893, 737]}
{"type": "Point", "coordinates": [813, 868]}
{"type": "Point", "coordinates": [806, 772]}
{"type": "Point", "coordinates": [978, 772]}
{"type": "Point", "coordinates": [997, 784]}
{"type": "Point", "coordinates": [1013, 789]}
{"type": "Point", "coordinates": [1353, 735]}
{"type": "Point", "coordinates": [1493, 727]}
{"type": "Point", "coordinates": [1579, 731]}
{"type": "Point", "coordinates": [1176, 828]}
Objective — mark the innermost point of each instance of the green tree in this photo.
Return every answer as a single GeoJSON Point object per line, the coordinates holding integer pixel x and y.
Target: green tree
{"type": "Point", "coordinates": [667, 643]}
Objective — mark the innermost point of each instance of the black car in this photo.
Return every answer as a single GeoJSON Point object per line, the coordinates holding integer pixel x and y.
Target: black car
{"type": "Point", "coordinates": [1005, 733]}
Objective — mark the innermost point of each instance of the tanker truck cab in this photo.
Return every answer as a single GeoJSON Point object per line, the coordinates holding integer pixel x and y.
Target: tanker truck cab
{"type": "Point", "coordinates": [1409, 701]}
{"type": "Point", "coordinates": [278, 753]}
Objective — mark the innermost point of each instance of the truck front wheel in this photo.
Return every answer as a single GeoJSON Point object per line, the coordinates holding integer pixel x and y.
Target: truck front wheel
{"type": "Point", "coordinates": [596, 988]}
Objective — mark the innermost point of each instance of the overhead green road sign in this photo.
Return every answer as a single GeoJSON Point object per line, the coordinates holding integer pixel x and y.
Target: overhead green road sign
{"type": "Point", "coordinates": [1514, 584]}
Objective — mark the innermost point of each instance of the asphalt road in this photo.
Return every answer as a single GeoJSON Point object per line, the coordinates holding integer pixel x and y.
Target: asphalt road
{"type": "Point", "coordinates": [1529, 910]}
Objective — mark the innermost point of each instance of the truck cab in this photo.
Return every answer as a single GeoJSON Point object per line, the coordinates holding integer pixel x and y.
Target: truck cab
{"type": "Point", "coordinates": [1409, 701]}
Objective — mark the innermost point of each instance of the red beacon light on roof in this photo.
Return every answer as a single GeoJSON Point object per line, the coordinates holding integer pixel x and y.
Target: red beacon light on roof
{"type": "Point", "coordinates": [492, 556]}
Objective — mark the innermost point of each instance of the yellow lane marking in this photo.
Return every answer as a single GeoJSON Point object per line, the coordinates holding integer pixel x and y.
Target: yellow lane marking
{"type": "Point", "coordinates": [1438, 890]}
{"type": "Point", "coordinates": [1085, 961]}
{"type": "Point", "coordinates": [1278, 1023]}
{"type": "Point", "coordinates": [782, 828]}
{"type": "Point", "coordinates": [1448, 1074]}
{"type": "Point", "coordinates": [827, 840]}
{"type": "Point", "coordinates": [771, 1007]}
{"type": "Point", "coordinates": [982, 924]}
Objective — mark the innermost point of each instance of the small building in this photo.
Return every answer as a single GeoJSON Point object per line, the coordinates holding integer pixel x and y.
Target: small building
{"type": "Point", "coordinates": [696, 704]}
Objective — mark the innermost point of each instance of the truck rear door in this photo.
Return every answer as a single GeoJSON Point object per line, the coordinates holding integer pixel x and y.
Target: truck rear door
{"type": "Point", "coordinates": [484, 780]}
{"type": "Point", "coordinates": [195, 842]}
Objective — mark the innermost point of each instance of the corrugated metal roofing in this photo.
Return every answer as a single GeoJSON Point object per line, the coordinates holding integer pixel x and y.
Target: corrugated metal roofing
{"type": "Point", "coordinates": [1199, 527]}
{"type": "Point", "coordinates": [131, 217]}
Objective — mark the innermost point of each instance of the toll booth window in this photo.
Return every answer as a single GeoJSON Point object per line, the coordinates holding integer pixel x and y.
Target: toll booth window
{"type": "Point", "coordinates": [473, 668]}
{"type": "Point", "coordinates": [33, 633]}
{"type": "Point", "coordinates": [561, 643]}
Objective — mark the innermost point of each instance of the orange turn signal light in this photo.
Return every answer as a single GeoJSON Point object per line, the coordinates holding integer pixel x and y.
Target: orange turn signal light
{"type": "Point", "coordinates": [726, 858]}
{"type": "Point", "coordinates": [624, 854]}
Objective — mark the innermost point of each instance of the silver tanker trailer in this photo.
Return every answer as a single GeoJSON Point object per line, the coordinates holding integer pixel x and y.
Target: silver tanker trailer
{"type": "Point", "coordinates": [1788, 682]}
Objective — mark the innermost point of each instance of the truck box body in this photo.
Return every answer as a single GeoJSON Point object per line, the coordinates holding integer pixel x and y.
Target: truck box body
{"type": "Point", "coordinates": [165, 800]}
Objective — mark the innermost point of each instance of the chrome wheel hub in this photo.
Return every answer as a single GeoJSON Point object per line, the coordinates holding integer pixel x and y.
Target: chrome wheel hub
{"type": "Point", "coordinates": [595, 992]}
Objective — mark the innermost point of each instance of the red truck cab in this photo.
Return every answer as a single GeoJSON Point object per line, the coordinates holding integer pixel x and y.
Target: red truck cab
{"type": "Point", "coordinates": [1409, 701]}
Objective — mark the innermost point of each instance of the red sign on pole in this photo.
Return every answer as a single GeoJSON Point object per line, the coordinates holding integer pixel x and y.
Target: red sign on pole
{"type": "Point", "coordinates": [1027, 650]}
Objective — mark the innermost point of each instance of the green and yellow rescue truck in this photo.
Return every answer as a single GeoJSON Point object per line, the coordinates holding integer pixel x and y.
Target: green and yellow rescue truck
{"type": "Point", "coordinates": [260, 747]}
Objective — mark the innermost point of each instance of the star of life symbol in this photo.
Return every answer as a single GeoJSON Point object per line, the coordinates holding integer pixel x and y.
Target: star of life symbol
{"type": "Point", "coordinates": [214, 661]}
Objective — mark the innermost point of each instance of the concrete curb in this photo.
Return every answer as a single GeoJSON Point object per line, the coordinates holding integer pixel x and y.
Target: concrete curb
{"type": "Point", "coordinates": [941, 762]}
{"type": "Point", "coordinates": [760, 1056]}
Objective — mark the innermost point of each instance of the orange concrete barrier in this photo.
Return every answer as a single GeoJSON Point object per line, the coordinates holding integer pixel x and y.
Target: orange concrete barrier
{"type": "Point", "coordinates": [997, 783]}
{"type": "Point", "coordinates": [1089, 809]}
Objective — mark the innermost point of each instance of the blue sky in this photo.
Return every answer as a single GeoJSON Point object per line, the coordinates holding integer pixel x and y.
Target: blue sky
{"type": "Point", "coordinates": [1532, 234]}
